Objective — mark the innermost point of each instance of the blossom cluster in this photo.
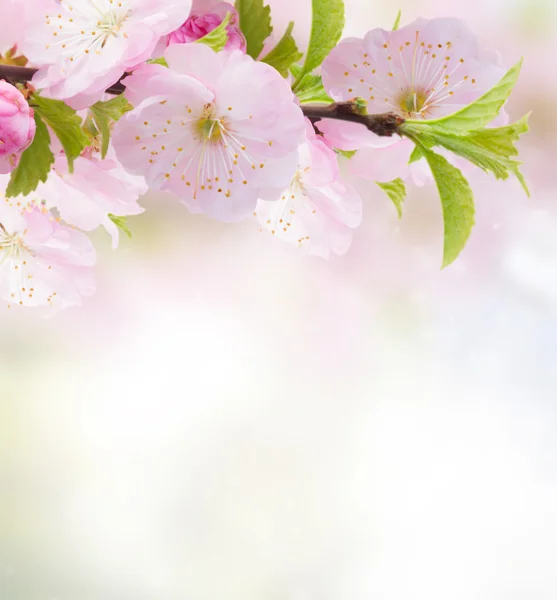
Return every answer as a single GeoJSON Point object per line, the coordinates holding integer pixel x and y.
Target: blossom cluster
{"type": "Point", "coordinates": [126, 96]}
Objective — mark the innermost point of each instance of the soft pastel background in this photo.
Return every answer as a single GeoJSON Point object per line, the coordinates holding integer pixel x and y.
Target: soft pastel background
{"type": "Point", "coordinates": [228, 420]}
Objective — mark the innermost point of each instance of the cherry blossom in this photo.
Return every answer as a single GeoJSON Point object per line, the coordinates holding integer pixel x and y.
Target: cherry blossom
{"type": "Point", "coordinates": [43, 264]}
{"type": "Point", "coordinates": [204, 18]}
{"type": "Point", "coordinates": [213, 128]}
{"type": "Point", "coordinates": [9, 34]}
{"type": "Point", "coordinates": [425, 70]}
{"type": "Point", "coordinates": [96, 189]}
{"type": "Point", "coordinates": [223, 133]}
{"type": "Point", "coordinates": [85, 46]}
{"type": "Point", "coordinates": [317, 211]}
{"type": "Point", "coordinates": [17, 126]}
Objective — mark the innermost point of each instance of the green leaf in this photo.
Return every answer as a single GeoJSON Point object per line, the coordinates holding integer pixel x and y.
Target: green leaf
{"type": "Point", "coordinates": [104, 127]}
{"type": "Point", "coordinates": [217, 38]}
{"type": "Point", "coordinates": [255, 23]}
{"type": "Point", "coordinates": [396, 190]}
{"type": "Point", "coordinates": [310, 89]}
{"type": "Point", "coordinates": [90, 127]}
{"type": "Point", "coordinates": [65, 123]}
{"type": "Point", "coordinates": [10, 58]}
{"type": "Point", "coordinates": [360, 105]}
{"type": "Point", "coordinates": [523, 182]}
{"type": "Point", "coordinates": [326, 31]}
{"type": "Point", "coordinates": [490, 149]}
{"type": "Point", "coordinates": [482, 111]}
{"type": "Point", "coordinates": [122, 224]}
{"type": "Point", "coordinates": [457, 201]}
{"type": "Point", "coordinates": [348, 154]}
{"type": "Point", "coordinates": [104, 113]}
{"type": "Point", "coordinates": [416, 155]}
{"type": "Point", "coordinates": [397, 21]}
{"type": "Point", "coordinates": [114, 109]}
{"type": "Point", "coordinates": [159, 61]}
{"type": "Point", "coordinates": [285, 53]}
{"type": "Point", "coordinates": [34, 165]}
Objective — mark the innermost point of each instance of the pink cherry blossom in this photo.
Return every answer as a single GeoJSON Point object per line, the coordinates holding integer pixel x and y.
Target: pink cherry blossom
{"type": "Point", "coordinates": [425, 70]}
{"type": "Point", "coordinates": [96, 189]}
{"type": "Point", "coordinates": [17, 126]}
{"type": "Point", "coordinates": [42, 264]}
{"type": "Point", "coordinates": [214, 128]}
{"type": "Point", "coordinates": [84, 47]}
{"type": "Point", "coordinates": [317, 211]}
{"type": "Point", "coordinates": [203, 20]}
{"type": "Point", "coordinates": [8, 33]}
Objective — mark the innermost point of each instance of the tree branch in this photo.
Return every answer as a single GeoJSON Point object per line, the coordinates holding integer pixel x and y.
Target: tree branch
{"type": "Point", "coordinates": [25, 74]}
{"type": "Point", "coordinates": [384, 125]}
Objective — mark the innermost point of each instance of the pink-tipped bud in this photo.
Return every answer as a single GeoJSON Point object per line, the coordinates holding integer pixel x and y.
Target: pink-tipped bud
{"type": "Point", "coordinates": [17, 126]}
{"type": "Point", "coordinates": [198, 26]}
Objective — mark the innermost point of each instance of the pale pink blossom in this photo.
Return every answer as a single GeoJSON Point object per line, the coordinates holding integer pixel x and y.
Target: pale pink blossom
{"type": "Point", "coordinates": [317, 211]}
{"type": "Point", "coordinates": [213, 128]}
{"type": "Point", "coordinates": [204, 18]}
{"type": "Point", "coordinates": [43, 264]}
{"type": "Point", "coordinates": [84, 46]}
{"type": "Point", "coordinates": [96, 189]}
{"type": "Point", "coordinates": [9, 33]}
{"type": "Point", "coordinates": [425, 70]}
{"type": "Point", "coordinates": [17, 126]}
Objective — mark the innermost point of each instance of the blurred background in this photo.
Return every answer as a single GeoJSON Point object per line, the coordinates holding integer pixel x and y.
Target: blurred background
{"type": "Point", "coordinates": [227, 419]}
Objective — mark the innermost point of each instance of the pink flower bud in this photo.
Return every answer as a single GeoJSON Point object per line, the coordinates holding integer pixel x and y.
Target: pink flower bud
{"type": "Point", "coordinates": [17, 126]}
{"type": "Point", "coordinates": [198, 26]}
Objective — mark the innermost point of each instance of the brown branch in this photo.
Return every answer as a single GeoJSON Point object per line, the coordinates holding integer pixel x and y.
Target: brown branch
{"type": "Point", "coordinates": [384, 125]}
{"type": "Point", "coordinates": [25, 74]}
{"type": "Point", "coordinates": [16, 74]}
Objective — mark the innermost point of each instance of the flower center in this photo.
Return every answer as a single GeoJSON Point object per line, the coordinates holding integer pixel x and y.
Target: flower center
{"type": "Point", "coordinates": [413, 101]}
{"type": "Point", "coordinates": [86, 27]}
{"type": "Point", "coordinates": [111, 23]}
{"type": "Point", "coordinates": [11, 245]}
{"type": "Point", "coordinates": [297, 184]}
{"type": "Point", "coordinates": [208, 127]}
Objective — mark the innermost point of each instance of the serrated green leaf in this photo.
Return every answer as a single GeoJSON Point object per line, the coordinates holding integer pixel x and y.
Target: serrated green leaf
{"type": "Point", "coordinates": [523, 182]}
{"type": "Point", "coordinates": [326, 31]}
{"type": "Point", "coordinates": [255, 23]}
{"type": "Point", "coordinates": [34, 165]}
{"type": "Point", "coordinates": [106, 112]}
{"type": "Point", "coordinates": [482, 111]}
{"type": "Point", "coordinates": [396, 190]}
{"type": "Point", "coordinates": [416, 155]}
{"type": "Point", "coordinates": [490, 149]}
{"type": "Point", "coordinates": [122, 224]}
{"type": "Point", "coordinates": [65, 123]}
{"type": "Point", "coordinates": [115, 108]}
{"type": "Point", "coordinates": [310, 90]}
{"type": "Point", "coordinates": [397, 21]}
{"type": "Point", "coordinates": [285, 53]}
{"type": "Point", "coordinates": [457, 201]}
{"type": "Point", "coordinates": [217, 38]}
